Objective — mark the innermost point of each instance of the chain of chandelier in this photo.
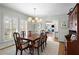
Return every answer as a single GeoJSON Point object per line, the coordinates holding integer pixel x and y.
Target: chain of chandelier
{"type": "Point", "coordinates": [34, 19]}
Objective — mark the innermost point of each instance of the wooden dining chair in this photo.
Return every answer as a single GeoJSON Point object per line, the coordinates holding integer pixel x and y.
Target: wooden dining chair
{"type": "Point", "coordinates": [68, 37]}
{"type": "Point", "coordinates": [42, 37]}
{"type": "Point", "coordinates": [45, 38]}
{"type": "Point", "coordinates": [23, 34]}
{"type": "Point", "coordinates": [20, 45]}
{"type": "Point", "coordinates": [37, 45]}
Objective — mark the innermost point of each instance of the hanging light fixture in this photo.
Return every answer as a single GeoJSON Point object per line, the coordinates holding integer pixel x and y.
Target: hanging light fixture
{"type": "Point", "coordinates": [34, 19]}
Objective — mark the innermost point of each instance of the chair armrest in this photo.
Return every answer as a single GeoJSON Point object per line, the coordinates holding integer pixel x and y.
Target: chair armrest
{"type": "Point", "coordinates": [24, 39]}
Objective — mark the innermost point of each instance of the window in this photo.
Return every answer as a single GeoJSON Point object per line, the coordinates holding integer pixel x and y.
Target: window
{"type": "Point", "coordinates": [10, 25]}
{"type": "Point", "coordinates": [7, 27]}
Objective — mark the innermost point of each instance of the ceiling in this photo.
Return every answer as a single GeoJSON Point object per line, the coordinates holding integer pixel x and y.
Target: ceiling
{"type": "Point", "coordinates": [42, 9]}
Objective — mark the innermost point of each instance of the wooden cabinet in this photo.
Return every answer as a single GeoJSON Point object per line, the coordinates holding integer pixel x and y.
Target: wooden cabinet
{"type": "Point", "coordinates": [72, 47]}
{"type": "Point", "coordinates": [73, 19]}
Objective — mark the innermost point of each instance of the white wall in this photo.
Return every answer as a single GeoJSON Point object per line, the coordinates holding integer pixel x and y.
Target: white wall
{"type": "Point", "coordinates": [63, 30]}
{"type": "Point", "coordinates": [59, 19]}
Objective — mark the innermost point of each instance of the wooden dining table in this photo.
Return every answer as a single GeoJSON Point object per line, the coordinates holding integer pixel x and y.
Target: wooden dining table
{"type": "Point", "coordinates": [32, 40]}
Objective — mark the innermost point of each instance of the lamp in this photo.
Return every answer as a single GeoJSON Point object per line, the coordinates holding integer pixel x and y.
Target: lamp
{"type": "Point", "coordinates": [34, 19]}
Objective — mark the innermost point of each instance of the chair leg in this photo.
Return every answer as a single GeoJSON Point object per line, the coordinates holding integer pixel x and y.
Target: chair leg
{"type": "Point", "coordinates": [29, 50]}
{"type": "Point", "coordinates": [43, 45]}
{"type": "Point", "coordinates": [16, 51]}
{"type": "Point", "coordinates": [21, 52]}
{"type": "Point", "coordinates": [38, 50]}
{"type": "Point", "coordinates": [32, 51]}
{"type": "Point", "coordinates": [41, 49]}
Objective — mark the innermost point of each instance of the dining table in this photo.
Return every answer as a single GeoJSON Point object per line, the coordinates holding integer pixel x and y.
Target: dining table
{"type": "Point", "coordinates": [32, 40]}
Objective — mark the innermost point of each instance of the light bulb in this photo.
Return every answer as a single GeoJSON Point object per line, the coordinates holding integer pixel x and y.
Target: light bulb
{"type": "Point", "coordinates": [36, 18]}
{"type": "Point", "coordinates": [30, 19]}
{"type": "Point", "coordinates": [33, 21]}
{"type": "Point", "coordinates": [40, 20]}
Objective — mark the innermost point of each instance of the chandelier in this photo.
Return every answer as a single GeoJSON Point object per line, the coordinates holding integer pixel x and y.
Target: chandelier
{"type": "Point", "coordinates": [34, 19]}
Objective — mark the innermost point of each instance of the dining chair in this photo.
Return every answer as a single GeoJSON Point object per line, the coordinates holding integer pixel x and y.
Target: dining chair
{"type": "Point", "coordinates": [23, 34]}
{"type": "Point", "coordinates": [29, 33]}
{"type": "Point", "coordinates": [68, 37]}
{"type": "Point", "coordinates": [42, 37]}
{"type": "Point", "coordinates": [20, 45]}
{"type": "Point", "coordinates": [46, 38]}
{"type": "Point", "coordinates": [37, 45]}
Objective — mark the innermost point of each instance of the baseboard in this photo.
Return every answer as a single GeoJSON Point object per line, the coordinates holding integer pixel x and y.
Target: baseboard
{"type": "Point", "coordinates": [6, 44]}
{"type": "Point", "coordinates": [6, 47]}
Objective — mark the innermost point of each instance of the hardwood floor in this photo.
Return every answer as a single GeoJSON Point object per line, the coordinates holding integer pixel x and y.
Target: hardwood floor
{"type": "Point", "coordinates": [61, 49]}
